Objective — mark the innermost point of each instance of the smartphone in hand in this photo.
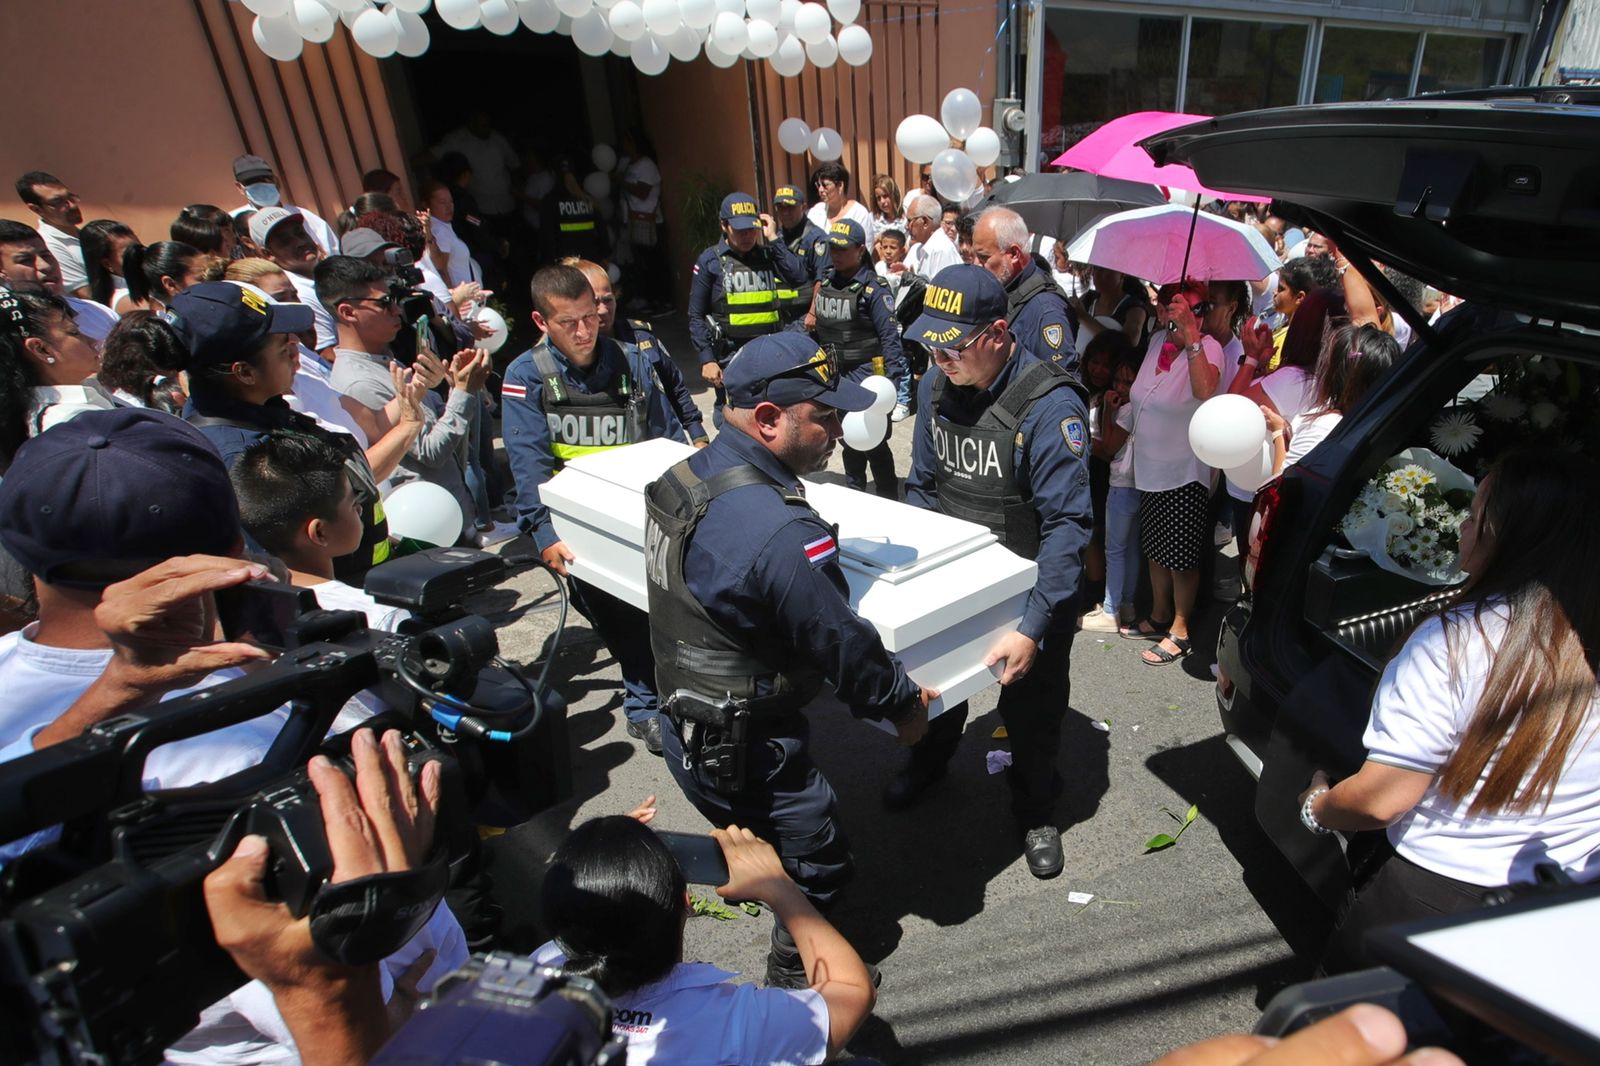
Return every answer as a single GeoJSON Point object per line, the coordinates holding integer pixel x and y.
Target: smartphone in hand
{"type": "Point", "coordinates": [699, 857]}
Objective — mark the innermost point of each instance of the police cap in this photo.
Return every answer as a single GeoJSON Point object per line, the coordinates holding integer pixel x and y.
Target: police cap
{"type": "Point", "coordinates": [222, 323]}
{"type": "Point", "coordinates": [739, 211]}
{"type": "Point", "coordinates": [960, 301]}
{"type": "Point", "coordinates": [846, 232]}
{"type": "Point", "coordinates": [787, 196]}
{"type": "Point", "coordinates": [788, 368]}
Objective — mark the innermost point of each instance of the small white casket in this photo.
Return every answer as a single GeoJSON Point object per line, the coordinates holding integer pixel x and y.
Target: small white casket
{"type": "Point", "coordinates": [939, 590]}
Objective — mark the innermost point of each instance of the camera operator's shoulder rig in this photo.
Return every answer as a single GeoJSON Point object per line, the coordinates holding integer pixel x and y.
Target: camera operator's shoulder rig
{"type": "Point", "coordinates": [105, 944]}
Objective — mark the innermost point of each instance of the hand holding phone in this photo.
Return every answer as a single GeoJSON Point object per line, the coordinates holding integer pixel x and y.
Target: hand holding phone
{"type": "Point", "coordinates": [699, 857]}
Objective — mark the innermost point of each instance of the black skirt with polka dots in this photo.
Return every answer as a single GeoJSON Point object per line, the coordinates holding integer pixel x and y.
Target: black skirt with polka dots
{"type": "Point", "coordinates": [1172, 525]}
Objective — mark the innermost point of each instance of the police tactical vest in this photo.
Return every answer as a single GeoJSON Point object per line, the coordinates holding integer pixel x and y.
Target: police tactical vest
{"type": "Point", "coordinates": [692, 652]}
{"type": "Point", "coordinates": [585, 423]}
{"type": "Point", "coordinates": [747, 304]}
{"type": "Point", "coordinates": [974, 472]}
{"type": "Point", "coordinates": [1038, 282]}
{"type": "Point", "coordinates": [844, 325]}
{"type": "Point", "coordinates": [576, 216]}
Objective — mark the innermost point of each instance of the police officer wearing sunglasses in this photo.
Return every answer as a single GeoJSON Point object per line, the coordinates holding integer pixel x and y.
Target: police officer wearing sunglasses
{"type": "Point", "coordinates": [1002, 439]}
{"type": "Point", "coordinates": [749, 615]}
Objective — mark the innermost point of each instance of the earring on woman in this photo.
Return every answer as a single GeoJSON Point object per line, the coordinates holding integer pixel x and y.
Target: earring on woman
{"type": "Point", "coordinates": [50, 359]}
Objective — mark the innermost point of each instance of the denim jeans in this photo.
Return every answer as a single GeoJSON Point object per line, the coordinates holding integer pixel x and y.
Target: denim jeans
{"type": "Point", "coordinates": [477, 480]}
{"type": "Point", "coordinates": [1122, 547]}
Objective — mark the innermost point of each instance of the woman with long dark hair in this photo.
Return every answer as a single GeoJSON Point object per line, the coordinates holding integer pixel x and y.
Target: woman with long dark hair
{"type": "Point", "coordinates": [130, 363]}
{"type": "Point", "coordinates": [104, 241]}
{"type": "Point", "coordinates": [208, 228]}
{"type": "Point", "coordinates": [1352, 361]}
{"type": "Point", "coordinates": [155, 273]}
{"type": "Point", "coordinates": [1482, 755]}
{"type": "Point", "coordinates": [46, 367]}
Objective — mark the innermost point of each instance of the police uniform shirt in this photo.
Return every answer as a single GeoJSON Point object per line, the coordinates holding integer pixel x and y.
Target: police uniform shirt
{"type": "Point", "coordinates": [875, 297]}
{"type": "Point", "coordinates": [642, 336]}
{"type": "Point", "coordinates": [1045, 324]}
{"type": "Point", "coordinates": [770, 570]}
{"type": "Point", "coordinates": [1052, 460]}
{"type": "Point", "coordinates": [707, 283]}
{"type": "Point", "coordinates": [526, 430]}
{"type": "Point", "coordinates": [810, 244]}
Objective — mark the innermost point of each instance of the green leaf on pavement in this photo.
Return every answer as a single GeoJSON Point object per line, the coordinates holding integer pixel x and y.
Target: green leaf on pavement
{"type": "Point", "coordinates": [1159, 841]}
{"type": "Point", "coordinates": [1194, 812]}
{"type": "Point", "coordinates": [711, 907]}
{"type": "Point", "coordinates": [752, 909]}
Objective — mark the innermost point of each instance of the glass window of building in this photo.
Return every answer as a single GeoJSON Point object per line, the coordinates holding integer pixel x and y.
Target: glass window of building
{"type": "Point", "coordinates": [1450, 62]}
{"type": "Point", "coordinates": [1362, 64]}
{"type": "Point", "coordinates": [1100, 64]}
{"type": "Point", "coordinates": [1238, 66]}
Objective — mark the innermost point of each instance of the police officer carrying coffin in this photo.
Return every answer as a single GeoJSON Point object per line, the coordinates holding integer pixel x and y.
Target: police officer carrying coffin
{"type": "Point", "coordinates": [807, 242]}
{"type": "Point", "coordinates": [1036, 310]}
{"type": "Point", "coordinates": [733, 297]}
{"type": "Point", "coordinates": [855, 321]}
{"type": "Point", "coordinates": [749, 615]}
{"type": "Point", "coordinates": [1002, 439]}
{"type": "Point", "coordinates": [572, 394]}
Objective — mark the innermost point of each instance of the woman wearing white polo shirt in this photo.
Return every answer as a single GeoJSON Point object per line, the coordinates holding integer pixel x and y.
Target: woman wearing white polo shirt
{"type": "Point", "coordinates": [617, 902]}
{"type": "Point", "coordinates": [1482, 754]}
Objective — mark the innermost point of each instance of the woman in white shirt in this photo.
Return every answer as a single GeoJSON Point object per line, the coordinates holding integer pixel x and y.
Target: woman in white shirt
{"type": "Point", "coordinates": [886, 212]}
{"type": "Point", "coordinates": [1482, 754]}
{"type": "Point", "coordinates": [450, 255]}
{"type": "Point", "coordinates": [47, 368]}
{"type": "Point", "coordinates": [1352, 361]}
{"type": "Point", "coordinates": [1182, 369]}
{"type": "Point", "coordinates": [617, 902]}
{"type": "Point", "coordinates": [832, 182]}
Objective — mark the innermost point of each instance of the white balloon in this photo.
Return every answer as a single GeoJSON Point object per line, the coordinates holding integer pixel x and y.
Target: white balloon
{"type": "Point", "coordinates": [719, 58]}
{"type": "Point", "coordinates": [811, 22]}
{"type": "Point", "coordinates": [488, 316]}
{"type": "Point", "coordinates": [855, 45]}
{"type": "Point", "coordinates": [1226, 431]}
{"type": "Point", "coordinates": [650, 56]}
{"type": "Point", "coordinates": [826, 144]}
{"type": "Point", "coordinates": [787, 10]}
{"type": "Point", "coordinates": [920, 138]}
{"type": "Point", "coordinates": [864, 430]}
{"type": "Point", "coordinates": [315, 21]}
{"type": "Point", "coordinates": [349, 17]}
{"type": "Point", "coordinates": [883, 389]}
{"type": "Point", "coordinates": [604, 158]}
{"type": "Point", "coordinates": [763, 38]}
{"type": "Point", "coordinates": [377, 34]}
{"type": "Point", "coordinates": [955, 176]}
{"type": "Point", "coordinates": [564, 24]}
{"type": "Point", "coordinates": [961, 112]}
{"type": "Point", "coordinates": [732, 7]}
{"type": "Point", "coordinates": [574, 9]}
{"type": "Point", "coordinates": [621, 48]}
{"type": "Point", "coordinates": [411, 7]}
{"type": "Point", "coordinates": [413, 33]}
{"type": "Point", "coordinates": [593, 36]}
{"type": "Point", "coordinates": [627, 21]}
{"type": "Point", "coordinates": [597, 185]}
{"type": "Point", "coordinates": [984, 146]}
{"type": "Point", "coordinates": [459, 14]}
{"type": "Point", "coordinates": [1253, 472]}
{"type": "Point", "coordinates": [790, 57]}
{"type": "Point", "coordinates": [604, 5]}
{"type": "Point", "coordinates": [613, 272]}
{"type": "Point", "coordinates": [269, 9]}
{"type": "Point", "coordinates": [765, 10]}
{"type": "Point", "coordinates": [540, 16]}
{"type": "Point", "coordinates": [844, 10]}
{"type": "Point", "coordinates": [347, 7]}
{"type": "Point", "coordinates": [698, 14]}
{"type": "Point", "coordinates": [499, 17]}
{"type": "Point", "coordinates": [729, 33]}
{"type": "Point", "coordinates": [277, 37]}
{"type": "Point", "coordinates": [662, 17]}
{"type": "Point", "coordinates": [421, 510]}
{"type": "Point", "coordinates": [824, 52]}
{"type": "Point", "coordinates": [794, 136]}
{"type": "Point", "coordinates": [685, 44]}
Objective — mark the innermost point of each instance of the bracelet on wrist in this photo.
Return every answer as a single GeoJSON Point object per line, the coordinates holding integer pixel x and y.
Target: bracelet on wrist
{"type": "Point", "coordinates": [1308, 819]}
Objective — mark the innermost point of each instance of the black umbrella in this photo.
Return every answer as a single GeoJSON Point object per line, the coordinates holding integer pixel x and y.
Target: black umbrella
{"type": "Point", "coordinates": [1061, 205]}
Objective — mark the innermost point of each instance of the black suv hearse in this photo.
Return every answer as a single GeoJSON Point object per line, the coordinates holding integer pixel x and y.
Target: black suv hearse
{"type": "Point", "coordinates": [1494, 197]}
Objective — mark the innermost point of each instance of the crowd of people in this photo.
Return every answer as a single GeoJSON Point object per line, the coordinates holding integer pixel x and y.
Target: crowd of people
{"type": "Point", "coordinates": [237, 402]}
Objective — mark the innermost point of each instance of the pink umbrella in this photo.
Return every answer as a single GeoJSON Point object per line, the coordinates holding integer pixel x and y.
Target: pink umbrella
{"type": "Point", "coordinates": [1113, 151]}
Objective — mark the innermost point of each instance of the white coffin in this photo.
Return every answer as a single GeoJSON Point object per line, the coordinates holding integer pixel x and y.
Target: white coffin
{"type": "Point", "coordinates": [938, 590]}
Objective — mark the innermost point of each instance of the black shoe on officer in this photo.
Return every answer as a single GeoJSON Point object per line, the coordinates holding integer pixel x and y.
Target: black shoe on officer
{"type": "Point", "coordinates": [648, 731]}
{"type": "Point", "coordinates": [1041, 846]}
{"type": "Point", "coordinates": [906, 787]}
{"type": "Point", "coordinates": [780, 974]}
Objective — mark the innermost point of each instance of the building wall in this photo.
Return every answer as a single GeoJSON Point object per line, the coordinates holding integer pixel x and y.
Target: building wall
{"type": "Point", "coordinates": [153, 101]}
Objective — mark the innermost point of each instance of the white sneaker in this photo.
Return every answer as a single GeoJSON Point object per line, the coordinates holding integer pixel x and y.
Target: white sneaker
{"type": "Point", "coordinates": [1098, 621]}
{"type": "Point", "coordinates": [495, 534]}
{"type": "Point", "coordinates": [901, 413]}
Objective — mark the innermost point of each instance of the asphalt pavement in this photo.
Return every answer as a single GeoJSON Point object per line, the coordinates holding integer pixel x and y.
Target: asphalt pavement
{"type": "Point", "coordinates": [981, 962]}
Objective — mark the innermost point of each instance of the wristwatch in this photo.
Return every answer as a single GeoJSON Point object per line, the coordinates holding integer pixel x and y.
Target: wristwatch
{"type": "Point", "coordinates": [1195, 349]}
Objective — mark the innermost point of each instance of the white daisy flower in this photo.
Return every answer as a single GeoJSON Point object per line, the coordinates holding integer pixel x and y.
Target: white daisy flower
{"type": "Point", "coordinates": [1455, 432]}
{"type": "Point", "coordinates": [1427, 539]}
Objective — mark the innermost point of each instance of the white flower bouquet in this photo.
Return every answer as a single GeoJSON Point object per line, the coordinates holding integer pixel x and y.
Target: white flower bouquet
{"type": "Point", "coordinates": [1408, 518]}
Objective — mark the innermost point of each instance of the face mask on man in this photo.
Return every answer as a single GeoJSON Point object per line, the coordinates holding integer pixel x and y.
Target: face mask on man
{"type": "Point", "coordinates": [262, 194]}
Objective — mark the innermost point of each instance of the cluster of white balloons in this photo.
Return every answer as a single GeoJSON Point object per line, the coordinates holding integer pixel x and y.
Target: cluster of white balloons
{"type": "Point", "coordinates": [925, 139]}
{"type": "Point", "coordinates": [797, 138]}
{"type": "Point", "coordinates": [652, 33]}
{"type": "Point", "coordinates": [1229, 432]}
{"type": "Point", "coordinates": [865, 430]}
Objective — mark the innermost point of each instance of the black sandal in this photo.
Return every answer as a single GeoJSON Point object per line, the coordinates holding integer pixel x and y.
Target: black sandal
{"type": "Point", "coordinates": [1163, 657]}
{"type": "Point", "coordinates": [1136, 631]}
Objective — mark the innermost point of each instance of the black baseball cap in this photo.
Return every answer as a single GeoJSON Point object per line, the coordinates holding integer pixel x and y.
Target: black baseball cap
{"type": "Point", "coordinates": [960, 300]}
{"type": "Point", "coordinates": [846, 232]}
{"type": "Point", "coordinates": [362, 242]}
{"type": "Point", "coordinates": [222, 323]}
{"type": "Point", "coordinates": [96, 500]}
{"type": "Point", "coordinates": [250, 168]}
{"type": "Point", "coordinates": [788, 368]}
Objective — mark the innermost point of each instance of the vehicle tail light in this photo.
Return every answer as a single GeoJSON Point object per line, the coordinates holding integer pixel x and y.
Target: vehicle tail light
{"type": "Point", "coordinates": [1268, 501]}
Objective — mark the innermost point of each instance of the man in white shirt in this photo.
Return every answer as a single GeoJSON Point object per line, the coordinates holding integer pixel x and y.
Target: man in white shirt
{"type": "Point", "coordinates": [254, 178]}
{"type": "Point", "coordinates": [491, 158]}
{"type": "Point", "coordinates": [282, 236]}
{"type": "Point", "coordinates": [59, 218]}
{"type": "Point", "coordinates": [931, 249]}
{"type": "Point", "coordinates": [27, 265]}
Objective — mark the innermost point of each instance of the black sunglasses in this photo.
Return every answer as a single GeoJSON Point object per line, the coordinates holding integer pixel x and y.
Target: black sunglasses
{"type": "Point", "coordinates": [823, 368]}
{"type": "Point", "coordinates": [384, 302]}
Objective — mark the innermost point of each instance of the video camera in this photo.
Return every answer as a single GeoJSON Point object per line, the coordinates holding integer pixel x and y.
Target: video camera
{"type": "Point", "coordinates": [405, 278]}
{"type": "Point", "coordinates": [106, 949]}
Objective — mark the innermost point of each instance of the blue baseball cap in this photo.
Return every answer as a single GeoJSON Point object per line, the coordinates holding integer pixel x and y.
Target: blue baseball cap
{"type": "Point", "coordinates": [739, 211]}
{"type": "Point", "coordinates": [788, 368]}
{"type": "Point", "coordinates": [221, 323]}
{"type": "Point", "coordinates": [960, 301]}
{"type": "Point", "coordinates": [787, 196]}
{"type": "Point", "coordinates": [96, 500]}
{"type": "Point", "coordinates": [845, 232]}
